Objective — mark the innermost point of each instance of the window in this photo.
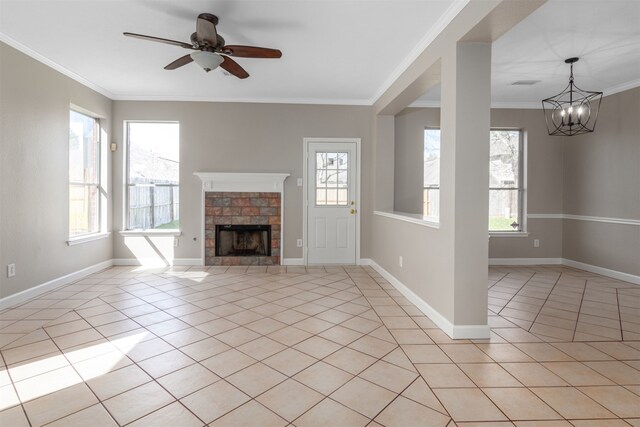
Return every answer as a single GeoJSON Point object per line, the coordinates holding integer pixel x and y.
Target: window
{"type": "Point", "coordinates": [84, 174]}
{"type": "Point", "coordinates": [153, 175]}
{"type": "Point", "coordinates": [431, 172]}
{"type": "Point", "coordinates": [332, 171]}
{"type": "Point", "coordinates": [506, 178]}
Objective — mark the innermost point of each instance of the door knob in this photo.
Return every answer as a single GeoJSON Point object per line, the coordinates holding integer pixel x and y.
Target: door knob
{"type": "Point", "coordinates": [352, 211]}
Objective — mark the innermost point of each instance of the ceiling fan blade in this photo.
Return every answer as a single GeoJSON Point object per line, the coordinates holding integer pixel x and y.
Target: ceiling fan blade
{"type": "Point", "coordinates": [160, 40]}
{"type": "Point", "coordinates": [251, 51]}
{"type": "Point", "coordinates": [184, 60]}
{"type": "Point", "coordinates": [234, 68]}
{"type": "Point", "coordinates": [206, 29]}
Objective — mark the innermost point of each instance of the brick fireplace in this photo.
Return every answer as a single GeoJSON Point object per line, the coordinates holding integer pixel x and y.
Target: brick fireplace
{"type": "Point", "coordinates": [242, 218]}
{"type": "Point", "coordinates": [224, 210]}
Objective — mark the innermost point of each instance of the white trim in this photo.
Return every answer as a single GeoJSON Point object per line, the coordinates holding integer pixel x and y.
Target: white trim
{"type": "Point", "coordinates": [156, 262]}
{"type": "Point", "coordinates": [525, 261]}
{"type": "Point", "coordinates": [454, 331]}
{"type": "Point", "coordinates": [242, 182]}
{"type": "Point", "coordinates": [87, 238]}
{"type": "Point", "coordinates": [623, 221]}
{"type": "Point", "coordinates": [602, 271]}
{"type": "Point", "coordinates": [434, 31]}
{"type": "Point", "coordinates": [508, 234]}
{"type": "Point", "coordinates": [365, 261]}
{"type": "Point", "coordinates": [37, 290]}
{"type": "Point", "coordinates": [295, 101]}
{"type": "Point", "coordinates": [545, 216]}
{"type": "Point", "coordinates": [621, 87]}
{"type": "Point", "coordinates": [292, 261]}
{"type": "Point", "coordinates": [569, 263]}
{"type": "Point", "coordinates": [49, 63]}
{"type": "Point", "coordinates": [516, 105]}
{"type": "Point", "coordinates": [407, 217]}
{"type": "Point", "coordinates": [432, 103]}
{"type": "Point", "coordinates": [305, 204]}
{"type": "Point", "coordinates": [603, 219]}
{"type": "Point", "coordinates": [153, 232]}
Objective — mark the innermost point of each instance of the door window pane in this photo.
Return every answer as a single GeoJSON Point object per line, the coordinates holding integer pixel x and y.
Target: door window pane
{"type": "Point", "coordinates": [332, 178]}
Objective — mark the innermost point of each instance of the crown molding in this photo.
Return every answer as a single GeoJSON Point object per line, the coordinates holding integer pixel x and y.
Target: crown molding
{"type": "Point", "coordinates": [442, 22]}
{"type": "Point", "coordinates": [621, 87]}
{"type": "Point", "coordinates": [51, 64]}
{"type": "Point", "coordinates": [304, 101]}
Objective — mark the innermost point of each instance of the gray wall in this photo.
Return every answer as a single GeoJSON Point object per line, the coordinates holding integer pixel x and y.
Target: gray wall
{"type": "Point", "coordinates": [602, 179]}
{"type": "Point", "coordinates": [544, 176]}
{"type": "Point", "coordinates": [34, 173]}
{"type": "Point", "coordinates": [233, 137]}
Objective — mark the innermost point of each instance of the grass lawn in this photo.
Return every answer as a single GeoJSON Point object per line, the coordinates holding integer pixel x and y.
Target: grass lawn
{"type": "Point", "coordinates": [497, 223]}
{"type": "Point", "coordinates": [173, 225]}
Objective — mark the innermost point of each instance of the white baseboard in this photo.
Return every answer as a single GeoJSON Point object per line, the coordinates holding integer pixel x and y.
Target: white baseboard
{"type": "Point", "coordinates": [292, 261]}
{"type": "Point", "coordinates": [602, 271]}
{"type": "Point", "coordinates": [155, 262]}
{"type": "Point", "coordinates": [569, 263]}
{"type": "Point", "coordinates": [27, 294]}
{"type": "Point", "coordinates": [525, 261]}
{"type": "Point", "coordinates": [365, 261]}
{"type": "Point", "coordinates": [454, 331]}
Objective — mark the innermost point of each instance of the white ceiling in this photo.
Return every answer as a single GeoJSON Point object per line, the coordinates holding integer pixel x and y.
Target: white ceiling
{"type": "Point", "coordinates": [334, 51]}
{"type": "Point", "coordinates": [604, 34]}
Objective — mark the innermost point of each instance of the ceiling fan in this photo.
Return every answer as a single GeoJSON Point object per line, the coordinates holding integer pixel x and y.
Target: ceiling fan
{"type": "Point", "coordinates": [210, 49]}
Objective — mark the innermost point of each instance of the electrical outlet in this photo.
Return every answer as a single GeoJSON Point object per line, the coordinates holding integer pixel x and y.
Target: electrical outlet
{"type": "Point", "coordinates": [400, 260]}
{"type": "Point", "coordinates": [299, 243]}
{"type": "Point", "coordinates": [299, 182]}
{"type": "Point", "coordinates": [11, 270]}
{"type": "Point", "coordinates": [536, 243]}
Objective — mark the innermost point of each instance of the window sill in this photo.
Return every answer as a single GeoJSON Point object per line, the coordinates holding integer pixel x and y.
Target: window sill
{"type": "Point", "coordinates": [87, 238]}
{"type": "Point", "coordinates": [509, 234]}
{"type": "Point", "coordinates": [150, 233]}
{"type": "Point", "coordinates": [412, 218]}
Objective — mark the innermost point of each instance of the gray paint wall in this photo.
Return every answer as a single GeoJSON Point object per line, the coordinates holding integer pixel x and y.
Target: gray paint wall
{"type": "Point", "coordinates": [242, 137]}
{"type": "Point", "coordinates": [34, 173]}
{"type": "Point", "coordinates": [544, 177]}
{"type": "Point", "coordinates": [602, 178]}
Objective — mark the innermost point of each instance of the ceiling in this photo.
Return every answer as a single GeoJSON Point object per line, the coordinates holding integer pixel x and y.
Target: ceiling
{"type": "Point", "coordinates": [604, 34]}
{"type": "Point", "coordinates": [334, 51]}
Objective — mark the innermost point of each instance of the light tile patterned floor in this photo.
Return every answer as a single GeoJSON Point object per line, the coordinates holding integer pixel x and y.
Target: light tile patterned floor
{"type": "Point", "coordinates": [323, 346]}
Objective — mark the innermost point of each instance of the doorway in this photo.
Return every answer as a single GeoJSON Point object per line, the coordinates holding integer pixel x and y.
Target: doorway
{"type": "Point", "coordinates": [332, 201]}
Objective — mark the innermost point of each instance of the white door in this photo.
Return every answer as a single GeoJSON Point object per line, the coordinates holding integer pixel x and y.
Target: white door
{"type": "Point", "coordinates": [331, 202]}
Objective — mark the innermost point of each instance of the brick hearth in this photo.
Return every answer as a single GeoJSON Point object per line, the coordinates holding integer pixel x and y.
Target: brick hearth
{"type": "Point", "coordinates": [238, 208]}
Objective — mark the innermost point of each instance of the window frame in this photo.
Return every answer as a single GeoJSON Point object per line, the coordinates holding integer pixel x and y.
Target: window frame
{"type": "Point", "coordinates": [100, 231]}
{"type": "Point", "coordinates": [126, 225]}
{"type": "Point", "coordinates": [521, 188]}
{"type": "Point", "coordinates": [435, 219]}
{"type": "Point", "coordinates": [522, 225]}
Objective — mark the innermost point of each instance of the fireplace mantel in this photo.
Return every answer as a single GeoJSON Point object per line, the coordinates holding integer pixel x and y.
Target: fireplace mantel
{"type": "Point", "coordinates": [223, 181]}
{"type": "Point", "coordinates": [238, 182]}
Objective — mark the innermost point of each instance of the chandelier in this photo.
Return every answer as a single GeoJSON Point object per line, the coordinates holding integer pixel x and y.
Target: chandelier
{"type": "Point", "coordinates": [573, 111]}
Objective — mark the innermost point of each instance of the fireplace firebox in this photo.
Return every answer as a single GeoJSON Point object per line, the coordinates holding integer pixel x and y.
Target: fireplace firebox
{"type": "Point", "coordinates": [243, 240]}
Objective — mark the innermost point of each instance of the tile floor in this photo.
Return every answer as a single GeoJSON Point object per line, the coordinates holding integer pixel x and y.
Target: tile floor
{"type": "Point", "coordinates": [324, 346]}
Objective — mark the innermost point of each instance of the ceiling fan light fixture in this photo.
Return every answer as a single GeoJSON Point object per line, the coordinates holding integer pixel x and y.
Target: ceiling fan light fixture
{"type": "Point", "coordinates": [207, 60]}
